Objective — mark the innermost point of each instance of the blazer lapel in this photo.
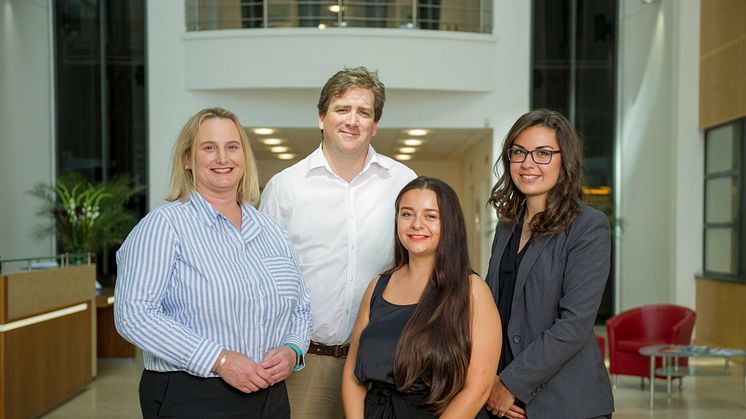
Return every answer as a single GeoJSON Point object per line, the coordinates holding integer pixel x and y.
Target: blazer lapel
{"type": "Point", "coordinates": [532, 253]}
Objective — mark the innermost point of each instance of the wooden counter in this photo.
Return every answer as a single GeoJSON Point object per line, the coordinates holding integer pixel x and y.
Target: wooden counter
{"type": "Point", "coordinates": [110, 343]}
{"type": "Point", "coordinates": [721, 313]}
{"type": "Point", "coordinates": [47, 338]}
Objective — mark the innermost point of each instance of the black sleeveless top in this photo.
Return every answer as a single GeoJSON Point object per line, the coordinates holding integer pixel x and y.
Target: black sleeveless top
{"type": "Point", "coordinates": [374, 365]}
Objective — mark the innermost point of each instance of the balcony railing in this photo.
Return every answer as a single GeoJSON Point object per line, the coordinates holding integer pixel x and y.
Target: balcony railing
{"type": "Point", "coordinates": [442, 15]}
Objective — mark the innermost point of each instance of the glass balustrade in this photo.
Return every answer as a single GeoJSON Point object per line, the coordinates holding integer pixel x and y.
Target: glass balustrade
{"type": "Point", "coordinates": [442, 15]}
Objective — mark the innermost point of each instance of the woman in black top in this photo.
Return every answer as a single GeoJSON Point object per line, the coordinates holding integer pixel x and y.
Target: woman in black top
{"type": "Point", "coordinates": [427, 339]}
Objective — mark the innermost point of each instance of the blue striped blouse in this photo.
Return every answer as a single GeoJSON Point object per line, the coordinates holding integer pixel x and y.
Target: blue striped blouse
{"type": "Point", "coordinates": [189, 284]}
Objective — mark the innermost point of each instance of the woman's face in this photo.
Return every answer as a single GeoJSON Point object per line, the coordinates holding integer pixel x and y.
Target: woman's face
{"type": "Point", "coordinates": [218, 157]}
{"type": "Point", "coordinates": [532, 179]}
{"type": "Point", "coordinates": [418, 222]}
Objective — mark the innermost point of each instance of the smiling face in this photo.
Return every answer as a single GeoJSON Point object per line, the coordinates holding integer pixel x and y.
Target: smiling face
{"type": "Point", "coordinates": [349, 123]}
{"type": "Point", "coordinates": [418, 222]}
{"type": "Point", "coordinates": [536, 180]}
{"type": "Point", "coordinates": [219, 160]}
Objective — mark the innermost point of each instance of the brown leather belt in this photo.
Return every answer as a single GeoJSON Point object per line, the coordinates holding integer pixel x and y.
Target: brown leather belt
{"type": "Point", "coordinates": [336, 351]}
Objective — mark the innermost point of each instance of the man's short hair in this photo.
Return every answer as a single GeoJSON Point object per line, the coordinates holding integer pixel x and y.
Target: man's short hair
{"type": "Point", "coordinates": [350, 78]}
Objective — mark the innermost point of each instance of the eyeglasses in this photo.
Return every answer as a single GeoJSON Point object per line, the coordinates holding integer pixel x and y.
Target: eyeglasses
{"type": "Point", "coordinates": [539, 156]}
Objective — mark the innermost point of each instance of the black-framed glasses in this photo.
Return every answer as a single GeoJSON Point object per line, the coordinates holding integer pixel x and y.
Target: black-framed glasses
{"type": "Point", "coordinates": [539, 156]}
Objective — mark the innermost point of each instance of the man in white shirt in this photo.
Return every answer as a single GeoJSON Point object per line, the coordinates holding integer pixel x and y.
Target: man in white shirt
{"type": "Point", "coordinates": [338, 207]}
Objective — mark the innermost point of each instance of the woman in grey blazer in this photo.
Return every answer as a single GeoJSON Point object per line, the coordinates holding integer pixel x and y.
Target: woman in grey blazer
{"type": "Point", "coordinates": [550, 261]}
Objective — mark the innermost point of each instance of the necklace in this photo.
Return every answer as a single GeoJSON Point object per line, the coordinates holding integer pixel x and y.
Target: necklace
{"type": "Point", "coordinates": [525, 234]}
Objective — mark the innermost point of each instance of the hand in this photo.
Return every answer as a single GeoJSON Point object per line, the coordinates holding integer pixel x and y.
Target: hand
{"type": "Point", "coordinates": [244, 374]}
{"type": "Point", "coordinates": [501, 402]}
{"type": "Point", "coordinates": [279, 362]}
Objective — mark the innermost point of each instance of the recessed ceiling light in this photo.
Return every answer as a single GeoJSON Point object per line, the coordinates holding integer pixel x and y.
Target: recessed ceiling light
{"type": "Point", "coordinates": [412, 142]}
{"type": "Point", "coordinates": [264, 131]}
{"type": "Point", "coordinates": [407, 150]}
{"type": "Point", "coordinates": [286, 156]}
{"type": "Point", "coordinates": [417, 132]}
{"type": "Point", "coordinates": [322, 26]}
{"type": "Point", "coordinates": [271, 141]}
{"type": "Point", "coordinates": [278, 149]}
{"type": "Point", "coordinates": [334, 8]}
{"type": "Point", "coordinates": [403, 157]}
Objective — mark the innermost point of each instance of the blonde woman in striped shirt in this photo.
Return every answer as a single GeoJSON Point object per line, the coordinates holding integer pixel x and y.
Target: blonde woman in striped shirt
{"type": "Point", "coordinates": [209, 288]}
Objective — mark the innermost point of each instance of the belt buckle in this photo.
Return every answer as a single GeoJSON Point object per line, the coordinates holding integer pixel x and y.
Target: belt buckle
{"type": "Point", "coordinates": [337, 351]}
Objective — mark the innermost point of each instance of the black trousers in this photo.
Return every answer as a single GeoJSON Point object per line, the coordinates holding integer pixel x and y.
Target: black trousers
{"type": "Point", "coordinates": [181, 395]}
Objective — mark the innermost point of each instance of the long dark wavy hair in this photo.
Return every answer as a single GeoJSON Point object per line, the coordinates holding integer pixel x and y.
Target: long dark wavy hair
{"type": "Point", "coordinates": [563, 199]}
{"type": "Point", "coordinates": [435, 346]}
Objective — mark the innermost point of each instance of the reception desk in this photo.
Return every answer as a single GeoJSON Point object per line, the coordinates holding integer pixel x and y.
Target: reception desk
{"type": "Point", "coordinates": [47, 338]}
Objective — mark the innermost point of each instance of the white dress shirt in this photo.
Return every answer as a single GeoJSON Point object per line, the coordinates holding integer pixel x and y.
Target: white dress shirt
{"type": "Point", "coordinates": [342, 231]}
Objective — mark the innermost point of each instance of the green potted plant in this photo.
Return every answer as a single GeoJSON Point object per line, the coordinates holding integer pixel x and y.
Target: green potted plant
{"type": "Point", "coordinates": [86, 217]}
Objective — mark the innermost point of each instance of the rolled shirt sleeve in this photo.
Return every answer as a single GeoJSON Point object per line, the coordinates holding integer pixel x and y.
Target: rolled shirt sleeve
{"type": "Point", "coordinates": [145, 264]}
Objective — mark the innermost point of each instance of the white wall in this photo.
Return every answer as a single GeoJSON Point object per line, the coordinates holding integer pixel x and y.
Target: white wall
{"type": "Point", "coordinates": [659, 160]}
{"type": "Point", "coordinates": [306, 57]}
{"type": "Point", "coordinates": [689, 154]}
{"type": "Point", "coordinates": [190, 71]}
{"type": "Point", "coordinates": [26, 148]}
{"type": "Point", "coordinates": [480, 219]}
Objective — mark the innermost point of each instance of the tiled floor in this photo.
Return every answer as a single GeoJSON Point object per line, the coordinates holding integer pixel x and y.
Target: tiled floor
{"type": "Point", "coordinates": [113, 394]}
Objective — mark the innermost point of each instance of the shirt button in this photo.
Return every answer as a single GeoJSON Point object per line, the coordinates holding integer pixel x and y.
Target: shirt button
{"type": "Point", "coordinates": [347, 310]}
{"type": "Point", "coordinates": [516, 339]}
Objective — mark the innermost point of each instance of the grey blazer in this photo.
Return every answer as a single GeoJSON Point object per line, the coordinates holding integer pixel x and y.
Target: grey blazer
{"type": "Point", "coordinates": [557, 368]}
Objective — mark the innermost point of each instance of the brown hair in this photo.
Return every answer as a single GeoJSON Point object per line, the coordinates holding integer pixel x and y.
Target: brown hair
{"type": "Point", "coordinates": [563, 199]}
{"type": "Point", "coordinates": [182, 179]}
{"type": "Point", "coordinates": [349, 78]}
{"type": "Point", "coordinates": [435, 345]}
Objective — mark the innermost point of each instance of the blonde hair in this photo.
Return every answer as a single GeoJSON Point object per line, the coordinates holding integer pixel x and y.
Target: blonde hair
{"type": "Point", "coordinates": [182, 179]}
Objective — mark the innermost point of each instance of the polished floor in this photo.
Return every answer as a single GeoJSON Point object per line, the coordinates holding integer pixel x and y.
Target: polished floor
{"type": "Point", "coordinates": [113, 394]}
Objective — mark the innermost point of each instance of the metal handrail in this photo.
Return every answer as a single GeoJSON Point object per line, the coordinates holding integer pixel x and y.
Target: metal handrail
{"type": "Point", "coordinates": [64, 259]}
{"type": "Point", "coordinates": [442, 15]}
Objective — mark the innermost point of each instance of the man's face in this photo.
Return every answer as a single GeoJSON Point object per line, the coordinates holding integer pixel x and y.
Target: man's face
{"type": "Point", "coordinates": [348, 124]}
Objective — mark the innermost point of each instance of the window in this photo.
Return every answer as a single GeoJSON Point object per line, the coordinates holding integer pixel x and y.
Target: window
{"type": "Point", "coordinates": [100, 97]}
{"type": "Point", "coordinates": [574, 72]}
{"type": "Point", "coordinates": [724, 206]}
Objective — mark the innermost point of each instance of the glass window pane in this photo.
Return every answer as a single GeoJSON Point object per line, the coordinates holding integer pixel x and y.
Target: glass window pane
{"type": "Point", "coordinates": [721, 250]}
{"type": "Point", "coordinates": [721, 202]}
{"type": "Point", "coordinates": [377, 14]}
{"type": "Point", "coordinates": [722, 148]}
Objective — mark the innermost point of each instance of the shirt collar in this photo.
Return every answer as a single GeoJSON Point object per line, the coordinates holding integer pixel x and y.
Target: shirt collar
{"type": "Point", "coordinates": [318, 160]}
{"type": "Point", "coordinates": [209, 215]}
{"type": "Point", "coordinates": [206, 212]}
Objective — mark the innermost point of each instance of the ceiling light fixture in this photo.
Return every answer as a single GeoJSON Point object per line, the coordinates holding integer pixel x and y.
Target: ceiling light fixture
{"type": "Point", "coordinates": [417, 132]}
{"type": "Point", "coordinates": [278, 149]}
{"type": "Point", "coordinates": [286, 156]}
{"type": "Point", "coordinates": [403, 157]}
{"type": "Point", "coordinates": [263, 131]}
{"type": "Point", "coordinates": [334, 8]}
{"type": "Point", "coordinates": [408, 150]}
{"type": "Point", "coordinates": [412, 142]}
{"type": "Point", "coordinates": [271, 141]}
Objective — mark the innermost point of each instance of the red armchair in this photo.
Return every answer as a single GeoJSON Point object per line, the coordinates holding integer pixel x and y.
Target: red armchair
{"type": "Point", "coordinates": [642, 326]}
